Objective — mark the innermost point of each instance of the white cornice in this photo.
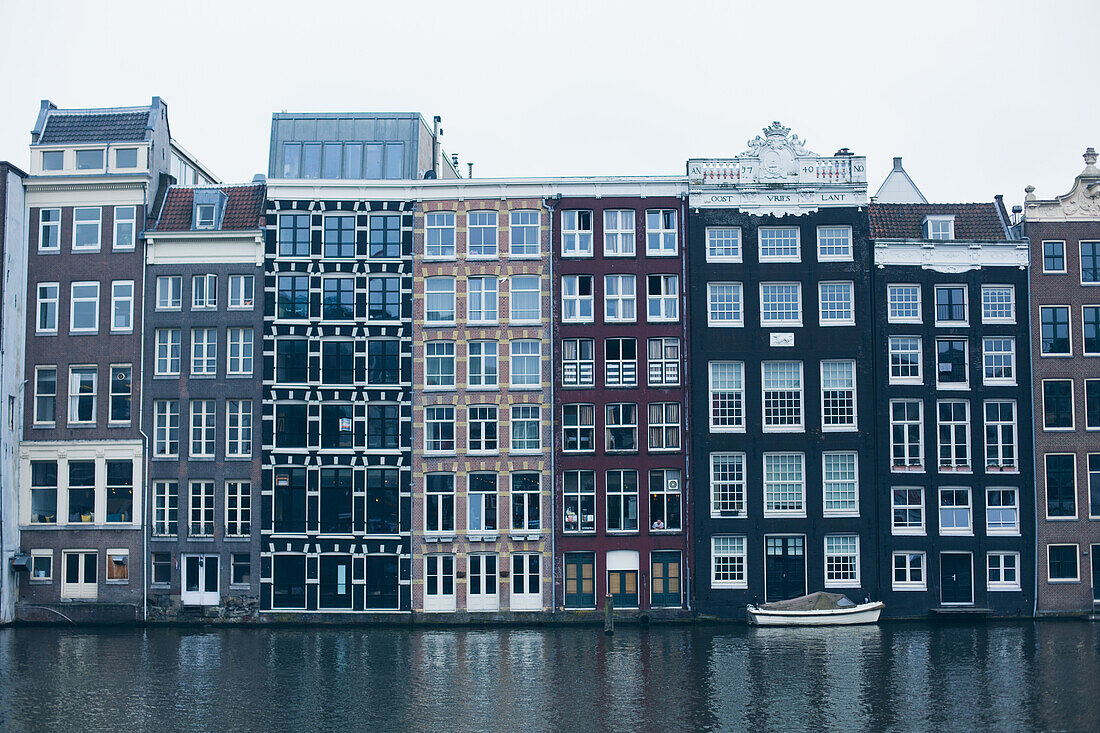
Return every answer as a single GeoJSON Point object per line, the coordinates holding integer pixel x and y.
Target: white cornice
{"type": "Point", "coordinates": [953, 256]}
{"type": "Point", "coordinates": [477, 188]}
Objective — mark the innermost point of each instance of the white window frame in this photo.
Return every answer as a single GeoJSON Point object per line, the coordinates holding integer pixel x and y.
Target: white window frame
{"type": "Point", "coordinates": [519, 285]}
{"type": "Point", "coordinates": [575, 240]}
{"type": "Point", "coordinates": [208, 284]}
{"type": "Point", "coordinates": [120, 297]}
{"type": "Point", "coordinates": [1069, 328]}
{"type": "Point", "coordinates": [483, 221]}
{"type": "Point", "coordinates": [853, 425]}
{"type": "Point", "coordinates": [714, 237]}
{"type": "Point", "coordinates": [835, 556]}
{"type": "Point", "coordinates": [736, 305]}
{"type": "Point", "coordinates": [75, 395]}
{"type": "Point", "coordinates": [919, 422]}
{"type": "Point", "coordinates": [661, 234]}
{"type": "Point", "coordinates": [168, 355]}
{"type": "Point", "coordinates": [619, 233]}
{"type": "Point", "coordinates": [737, 394]}
{"type": "Point", "coordinates": [1000, 528]}
{"type": "Point", "coordinates": [965, 384]}
{"type": "Point", "coordinates": [770, 322]}
{"type": "Point", "coordinates": [237, 299]}
{"type": "Point", "coordinates": [38, 421]}
{"type": "Point", "coordinates": [520, 416]}
{"type": "Point", "coordinates": [998, 426]}
{"type": "Point", "coordinates": [169, 293]}
{"type": "Point", "coordinates": [204, 352]}
{"type": "Point", "coordinates": [512, 371]}
{"type": "Point", "coordinates": [43, 225]}
{"type": "Point", "coordinates": [796, 257]}
{"type": "Point", "coordinates": [892, 351]}
{"type": "Point", "coordinates": [73, 300]}
{"type": "Point", "coordinates": [240, 352]}
{"type": "Point", "coordinates": [988, 290]}
{"type": "Point", "coordinates": [968, 530]}
{"type": "Point", "coordinates": [907, 530]}
{"type": "Point", "coordinates": [483, 356]}
{"type": "Point", "coordinates": [893, 293]}
{"type": "Point", "coordinates": [1043, 253]}
{"type": "Point", "coordinates": [238, 428]}
{"type": "Point", "coordinates": [727, 484]}
{"type": "Point", "coordinates": [482, 429]}
{"type": "Point", "coordinates": [843, 284]}
{"type": "Point", "coordinates": [736, 562]}
{"type": "Point", "coordinates": [437, 225]}
{"type": "Point", "coordinates": [166, 508]}
{"type": "Point", "coordinates": [799, 510]}
{"type": "Point", "coordinates": [481, 301]}
{"type": "Point", "coordinates": [200, 508]}
{"type": "Point", "coordinates": [1077, 563]}
{"type": "Point", "coordinates": [664, 416]}
{"type": "Point", "coordinates": [443, 293]}
{"type": "Point", "coordinates": [668, 310]}
{"type": "Point", "coordinates": [439, 362]}
{"type": "Point", "coordinates": [826, 482]}
{"type": "Point", "coordinates": [666, 369]}
{"type": "Point", "coordinates": [517, 221]}
{"type": "Point", "coordinates": [951, 464]}
{"type": "Point", "coordinates": [576, 307]}
{"type": "Point", "coordinates": [122, 222]}
{"type": "Point", "coordinates": [990, 358]}
{"type": "Point", "coordinates": [41, 302]}
{"type": "Point", "coordinates": [163, 428]}
{"type": "Point", "coordinates": [845, 256]}
{"type": "Point", "coordinates": [435, 420]}
{"type": "Point", "coordinates": [614, 294]}
{"type": "Point", "coordinates": [938, 219]}
{"type": "Point", "coordinates": [238, 508]}
{"type": "Point", "coordinates": [77, 224]}
{"type": "Point", "coordinates": [966, 303]}
{"type": "Point", "coordinates": [1002, 584]}
{"type": "Point", "coordinates": [1072, 406]}
{"type": "Point", "coordinates": [909, 584]}
{"type": "Point", "coordinates": [204, 429]}
{"type": "Point", "coordinates": [576, 370]}
{"type": "Point", "coordinates": [771, 426]}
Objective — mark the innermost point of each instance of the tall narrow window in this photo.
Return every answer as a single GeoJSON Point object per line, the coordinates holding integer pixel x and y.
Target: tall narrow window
{"type": "Point", "coordinates": [82, 395]}
{"type": "Point", "coordinates": [122, 388]}
{"type": "Point", "coordinates": [577, 363]}
{"type": "Point", "coordinates": [838, 395]}
{"type": "Point", "coordinates": [906, 435]}
{"type": "Point", "coordinates": [166, 428]}
{"type": "Point", "coordinates": [664, 500]}
{"type": "Point", "coordinates": [662, 298]}
{"type": "Point", "coordinates": [481, 300]}
{"type": "Point", "coordinates": [238, 432]}
{"type": "Point", "coordinates": [439, 502]}
{"type": "Point", "coordinates": [526, 364]}
{"type": "Point", "coordinates": [622, 501]}
{"type": "Point", "coordinates": [618, 233]}
{"type": "Point", "coordinates": [660, 232]}
{"type": "Point", "coordinates": [999, 360]}
{"type": "Point", "coordinates": [204, 292]}
{"type": "Point", "coordinates": [784, 483]}
{"type": "Point", "coordinates": [664, 426]}
{"type": "Point", "coordinates": [727, 484]}
{"type": "Point", "coordinates": [240, 351]}
{"type": "Point", "coordinates": [339, 236]}
{"type": "Point", "coordinates": [167, 351]}
{"type": "Point", "coordinates": [202, 509]}
{"type": "Point", "coordinates": [204, 352]}
{"type": "Point", "coordinates": [1000, 435]}
{"type": "Point", "coordinates": [439, 428]}
{"type": "Point", "coordinates": [165, 508]}
{"type": "Point", "coordinates": [526, 502]}
{"type": "Point", "coordinates": [439, 297]}
{"type": "Point", "coordinates": [49, 230]}
{"type": "Point", "coordinates": [664, 362]}
{"type": "Point", "coordinates": [439, 234]}
{"type": "Point", "coordinates": [481, 234]}
{"type": "Point", "coordinates": [45, 395]}
{"type": "Point", "coordinates": [526, 299]}
{"type": "Point", "coordinates": [727, 396]}
{"type": "Point", "coordinates": [621, 362]}
{"type": "Point", "coordinates": [576, 234]}
{"type": "Point", "coordinates": [482, 364]}
{"type": "Point", "coordinates": [202, 429]}
{"type": "Point", "coordinates": [238, 508]}
{"type": "Point", "coordinates": [47, 308]}
{"type": "Point", "coordinates": [579, 494]}
{"type": "Point", "coordinates": [620, 304]}
{"type": "Point", "coordinates": [122, 305]}
{"type": "Point", "coordinates": [523, 234]}
{"type": "Point", "coordinates": [86, 228]}
{"type": "Point", "coordinates": [621, 427]}
{"type": "Point", "coordinates": [439, 364]}
{"type": "Point", "coordinates": [576, 299]}
{"type": "Point", "coordinates": [840, 483]}
{"type": "Point", "coordinates": [294, 235]}
{"type": "Point", "coordinates": [482, 431]}
{"type": "Point", "coordinates": [782, 395]}
{"type": "Point", "coordinates": [578, 428]}
{"type": "Point", "coordinates": [953, 424]}
{"type": "Point", "coordinates": [385, 236]}
{"type": "Point", "coordinates": [526, 428]}
{"type": "Point", "coordinates": [338, 298]}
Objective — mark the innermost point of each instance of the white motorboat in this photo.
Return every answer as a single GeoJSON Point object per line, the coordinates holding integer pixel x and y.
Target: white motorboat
{"type": "Point", "coordinates": [816, 609]}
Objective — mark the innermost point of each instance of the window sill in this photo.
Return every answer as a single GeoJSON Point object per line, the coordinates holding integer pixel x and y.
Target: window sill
{"type": "Point", "coordinates": [906, 469]}
{"type": "Point", "coordinates": [79, 426]}
{"type": "Point", "coordinates": [482, 324]}
{"type": "Point", "coordinates": [536, 256]}
{"type": "Point", "coordinates": [524, 387]}
{"type": "Point", "coordinates": [84, 333]}
{"type": "Point", "coordinates": [43, 425]}
{"type": "Point", "coordinates": [1056, 356]}
{"type": "Point", "coordinates": [479, 388]}
{"type": "Point", "coordinates": [1066, 581]}
{"type": "Point", "coordinates": [238, 458]}
{"type": "Point", "coordinates": [481, 537]}
{"type": "Point", "coordinates": [956, 533]}
{"type": "Point", "coordinates": [908, 532]}
{"type": "Point", "coordinates": [164, 538]}
{"type": "Point", "coordinates": [781, 324]}
{"type": "Point", "coordinates": [1003, 589]}
{"type": "Point", "coordinates": [438, 537]}
{"type": "Point", "coordinates": [909, 588]}
{"type": "Point", "coordinates": [513, 322]}
{"type": "Point", "coordinates": [1002, 532]}
{"type": "Point", "coordinates": [840, 515]}
{"type": "Point", "coordinates": [729, 586]}
{"type": "Point", "coordinates": [440, 324]}
{"type": "Point", "coordinates": [1062, 519]}
{"type": "Point", "coordinates": [665, 531]}
{"type": "Point", "coordinates": [733, 324]}
{"type": "Point", "coordinates": [828, 324]}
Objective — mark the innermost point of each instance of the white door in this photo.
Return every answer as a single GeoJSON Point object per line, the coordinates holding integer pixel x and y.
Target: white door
{"type": "Point", "coordinates": [526, 582]}
{"type": "Point", "coordinates": [200, 580]}
{"type": "Point", "coordinates": [482, 586]}
{"type": "Point", "coordinates": [80, 579]}
{"type": "Point", "coordinates": [439, 582]}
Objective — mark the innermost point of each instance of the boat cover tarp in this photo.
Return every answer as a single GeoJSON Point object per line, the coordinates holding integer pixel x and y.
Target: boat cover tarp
{"type": "Point", "coordinates": [819, 601]}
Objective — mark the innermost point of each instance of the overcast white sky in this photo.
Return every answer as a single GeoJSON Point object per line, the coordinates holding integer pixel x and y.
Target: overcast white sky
{"type": "Point", "coordinates": [980, 98]}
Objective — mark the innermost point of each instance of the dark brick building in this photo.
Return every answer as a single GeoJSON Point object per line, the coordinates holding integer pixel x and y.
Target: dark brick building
{"type": "Point", "coordinates": [202, 407]}
{"type": "Point", "coordinates": [1064, 236]}
{"type": "Point", "coordinates": [620, 445]}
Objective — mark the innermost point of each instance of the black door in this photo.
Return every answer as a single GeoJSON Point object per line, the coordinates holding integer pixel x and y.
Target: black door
{"type": "Point", "coordinates": [956, 578]}
{"type": "Point", "coordinates": [785, 568]}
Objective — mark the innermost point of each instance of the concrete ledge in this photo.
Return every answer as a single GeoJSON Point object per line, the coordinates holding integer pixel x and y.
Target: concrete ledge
{"type": "Point", "coordinates": [77, 612]}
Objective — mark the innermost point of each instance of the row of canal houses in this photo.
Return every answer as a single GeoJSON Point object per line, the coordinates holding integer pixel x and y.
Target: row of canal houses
{"type": "Point", "coordinates": [364, 387]}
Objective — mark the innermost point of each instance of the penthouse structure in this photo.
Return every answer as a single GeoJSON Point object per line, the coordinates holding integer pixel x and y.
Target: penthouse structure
{"type": "Point", "coordinates": [782, 412]}
{"type": "Point", "coordinates": [482, 513]}
{"type": "Point", "coordinates": [953, 439]}
{"type": "Point", "coordinates": [337, 354]}
{"type": "Point", "coordinates": [1064, 236]}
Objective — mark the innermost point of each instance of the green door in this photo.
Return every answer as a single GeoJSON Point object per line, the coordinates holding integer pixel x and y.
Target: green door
{"type": "Point", "coordinates": [666, 579]}
{"type": "Point", "coordinates": [580, 580]}
{"type": "Point", "coordinates": [623, 587]}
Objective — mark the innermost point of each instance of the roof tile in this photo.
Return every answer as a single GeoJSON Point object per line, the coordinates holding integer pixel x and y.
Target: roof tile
{"type": "Point", "coordinates": [242, 210]}
{"type": "Point", "coordinates": [94, 127]}
{"type": "Point", "coordinates": [973, 222]}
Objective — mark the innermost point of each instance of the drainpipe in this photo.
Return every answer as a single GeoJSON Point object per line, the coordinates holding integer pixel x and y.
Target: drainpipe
{"type": "Point", "coordinates": [145, 442]}
{"type": "Point", "coordinates": [549, 204]}
{"type": "Point", "coordinates": [689, 490]}
{"type": "Point", "coordinates": [1034, 448]}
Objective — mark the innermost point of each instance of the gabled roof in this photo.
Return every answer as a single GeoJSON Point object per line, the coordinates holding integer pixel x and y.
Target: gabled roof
{"type": "Point", "coordinates": [243, 208]}
{"type": "Point", "coordinates": [899, 188]}
{"type": "Point", "coordinates": [973, 222]}
{"type": "Point", "coordinates": [94, 126]}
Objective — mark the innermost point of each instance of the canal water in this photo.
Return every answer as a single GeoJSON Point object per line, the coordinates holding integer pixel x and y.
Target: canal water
{"type": "Point", "coordinates": [1026, 676]}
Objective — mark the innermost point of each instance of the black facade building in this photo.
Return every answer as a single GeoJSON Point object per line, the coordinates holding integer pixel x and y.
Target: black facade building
{"type": "Point", "coordinates": [953, 410]}
{"type": "Point", "coordinates": [780, 360]}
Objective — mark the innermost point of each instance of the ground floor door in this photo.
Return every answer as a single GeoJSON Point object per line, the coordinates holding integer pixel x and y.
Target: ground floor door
{"type": "Point", "coordinates": [526, 591]}
{"type": "Point", "coordinates": [580, 580]}
{"type": "Point", "coordinates": [200, 581]}
{"type": "Point", "coordinates": [482, 584]}
{"type": "Point", "coordinates": [1095, 574]}
{"type": "Point", "coordinates": [956, 578]}
{"type": "Point", "coordinates": [784, 567]}
{"type": "Point", "coordinates": [335, 591]}
{"type": "Point", "coordinates": [80, 579]}
{"type": "Point", "coordinates": [665, 592]}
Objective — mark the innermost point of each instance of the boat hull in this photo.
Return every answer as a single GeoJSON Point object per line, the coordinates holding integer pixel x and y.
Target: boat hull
{"type": "Point", "coordinates": [865, 613]}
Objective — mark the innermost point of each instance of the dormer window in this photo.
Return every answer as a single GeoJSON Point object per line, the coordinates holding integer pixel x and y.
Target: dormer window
{"type": "Point", "coordinates": [89, 159]}
{"type": "Point", "coordinates": [53, 160]}
{"type": "Point", "coordinates": [939, 227]}
{"type": "Point", "coordinates": [204, 216]}
{"type": "Point", "coordinates": [126, 158]}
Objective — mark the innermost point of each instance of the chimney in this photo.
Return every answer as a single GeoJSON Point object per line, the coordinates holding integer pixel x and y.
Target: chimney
{"type": "Point", "coordinates": [897, 163]}
{"type": "Point", "coordinates": [471, 175]}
